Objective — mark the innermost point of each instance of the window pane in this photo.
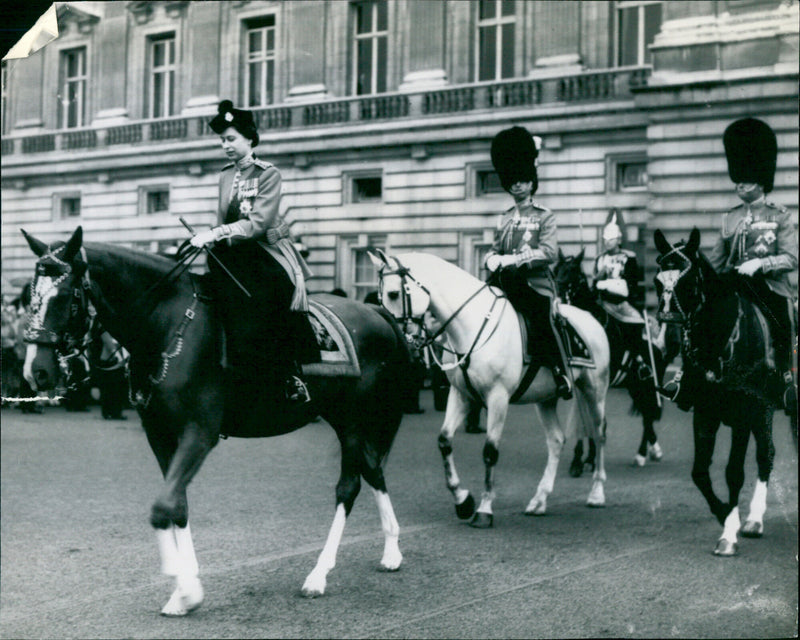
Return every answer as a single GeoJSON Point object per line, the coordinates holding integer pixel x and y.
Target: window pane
{"type": "Point", "coordinates": [171, 95]}
{"type": "Point", "coordinates": [628, 36]}
{"type": "Point", "coordinates": [270, 76]}
{"type": "Point", "coordinates": [364, 67]}
{"type": "Point", "coordinates": [508, 51]}
{"type": "Point", "coordinates": [365, 189]}
{"type": "Point", "coordinates": [381, 65]}
{"type": "Point", "coordinates": [488, 9]}
{"type": "Point", "coordinates": [382, 15]}
{"type": "Point", "coordinates": [507, 7]}
{"type": "Point", "coordinates": [157, 201]}
{"type": "Point", "coordinates": [158, 90]}
{"type": "Point", "coordinates": [652, 25]}
{"type": "Point", "coordinates": [486, 52]}
{"type": "Point", "coordinates": [270, 40]}
{"type": "Point", "coordinates": [171, 45]}
{"type": "Point", "coordinates": [254, 84]}
{"type": "Point", "coordinates": [363, 17]}
{"type": "Point", "coordinates": [70, 207]}
{"type": "Point", "coordinates": [255, 42]}
{"type": "Point", "coordinates": [158, 54]}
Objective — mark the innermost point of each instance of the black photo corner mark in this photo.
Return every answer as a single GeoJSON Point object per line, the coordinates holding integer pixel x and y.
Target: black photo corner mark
{"type": "Point", "coordinates": [16, 18]}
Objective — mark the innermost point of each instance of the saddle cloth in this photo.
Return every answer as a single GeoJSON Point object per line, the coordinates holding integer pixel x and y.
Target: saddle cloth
{"type": "Point", "coordinates": [337, 352]}
{"type": "Point", "coordinates": [578, 354]}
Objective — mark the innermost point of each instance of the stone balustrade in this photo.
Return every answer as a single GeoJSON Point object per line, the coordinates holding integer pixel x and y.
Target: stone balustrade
{"type": "Point", "coordinates": [590, 86]}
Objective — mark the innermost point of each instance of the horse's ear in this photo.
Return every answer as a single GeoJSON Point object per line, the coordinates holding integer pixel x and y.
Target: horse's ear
{"type": "Point", "coordinates": [662, 244]}
{"type": "Point", "coordinates": [378, 262]}
{"type": "Point", "coordinates": [560, 255]}
{"type": "Point", "coordinates": [579, 257]}
{"type": "Point", "coordinates": [73, 244]}
{"type": "Point", "coordinates": [694, 241]}
{"type": "Point", "coordinates": [37, 246]}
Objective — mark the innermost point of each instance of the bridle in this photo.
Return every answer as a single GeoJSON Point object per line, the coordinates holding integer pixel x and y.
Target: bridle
{"type": "Point", "coordinates": [669, 281]}
{"type": "Point", "coordinates": [73, 341]}
{"type": "Point", "coordinates": [429, 338]}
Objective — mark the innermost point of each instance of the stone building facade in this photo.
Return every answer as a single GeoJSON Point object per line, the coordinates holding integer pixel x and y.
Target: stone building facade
{"type": "Point", "coordinates": [380, 113]}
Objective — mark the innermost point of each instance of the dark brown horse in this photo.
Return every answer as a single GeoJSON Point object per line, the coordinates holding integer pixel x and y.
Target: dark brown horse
{"type": "Point", "coordinates": [179, 386]}
{"type": "Point", "coordinates": [728, 377]}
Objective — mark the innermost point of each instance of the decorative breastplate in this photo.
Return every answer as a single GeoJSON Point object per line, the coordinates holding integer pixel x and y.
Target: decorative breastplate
{"type": "Point", "coordinates": [612, 265]}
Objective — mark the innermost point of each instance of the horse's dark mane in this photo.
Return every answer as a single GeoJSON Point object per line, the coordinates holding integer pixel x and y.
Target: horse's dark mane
{"type": "Point", "coordinates": [138, 258]}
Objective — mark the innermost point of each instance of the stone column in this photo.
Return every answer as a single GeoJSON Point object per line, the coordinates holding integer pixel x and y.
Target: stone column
{"type": "Point", "coordinates": [306, 50]}
{"type": "Point", "coordinates": [203, 31]}
{"type": "Point", "coordinates": [426, 40]}
{"type": "Point", "coordinates": [555, 51]}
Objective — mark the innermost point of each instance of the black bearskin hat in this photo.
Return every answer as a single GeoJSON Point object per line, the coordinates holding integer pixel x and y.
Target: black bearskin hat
{"type": "Point", "coordinates": [752, 151]}
{"type": "Point", "coordinates": [239, 119]}
{"type": "Point", "coordinates": [514, 156]}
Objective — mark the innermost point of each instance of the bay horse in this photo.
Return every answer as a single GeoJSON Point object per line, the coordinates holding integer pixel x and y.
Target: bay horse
{"type": "Point", "coordinates": [573, 287]}
{"type": "Point", "coordinates": [179, 387]}
{"type": "Point", "coordinates": [728, 377]}
{"type": "Point", "coordinates": [485, 364]}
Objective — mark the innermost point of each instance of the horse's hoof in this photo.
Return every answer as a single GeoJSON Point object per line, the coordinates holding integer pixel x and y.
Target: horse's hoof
{"type": "Point", "coordinates": [752, 529]}
{"type": "Point", "coordinates": [725, 548]}
{"type": "Point", "coordinates": [639, 460]}
{"type": "Point", "coordinates": [482, 520]}
{"type": "Point", "coordinates": [467, 508]}
{"type": "Point", "coordinates": [576, 469]}
{"type": "Point", "coordinates": [183, 602]}
{"type": "Point", "coordinates": [654, 452]}
{"type": "Point", "coordinates": [536, 507]}
{"type": "Point", "coordinates": [313, 587]}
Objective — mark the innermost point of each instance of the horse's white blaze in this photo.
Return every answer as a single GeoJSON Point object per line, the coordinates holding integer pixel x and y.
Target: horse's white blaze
{"type": "Point", "coordinates": [731, 526]}
{"type": "Point", "coordinates": [758, 504]}
{"type": "Point", "coordinates": [317, 579]}
{"type": "Point", "coordinates": [392, 558]}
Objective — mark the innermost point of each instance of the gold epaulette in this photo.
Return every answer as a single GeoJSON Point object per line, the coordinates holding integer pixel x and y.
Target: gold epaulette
{"type": "Point", "coordinates": [261, 164]}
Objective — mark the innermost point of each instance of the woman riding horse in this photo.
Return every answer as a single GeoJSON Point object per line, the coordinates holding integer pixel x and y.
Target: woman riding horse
{"type": "Point", "coordinates": [759, 243]}
{"type": "Point", "coordinates": [524, 247]}
{"type": "Point", "coordinates": [253, 243]}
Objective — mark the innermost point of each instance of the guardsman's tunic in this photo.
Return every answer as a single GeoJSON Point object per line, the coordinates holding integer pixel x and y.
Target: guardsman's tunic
{"type": "Point", "coordinates": [616, 278]}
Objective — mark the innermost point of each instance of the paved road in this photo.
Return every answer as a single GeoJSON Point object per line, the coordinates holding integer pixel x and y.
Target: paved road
{"type": "Point", "coordinates": [79, 559]}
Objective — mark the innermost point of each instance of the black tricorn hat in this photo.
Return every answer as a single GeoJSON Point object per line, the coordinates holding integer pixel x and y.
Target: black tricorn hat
{"type": "Point", "coordinates": [239, 119]}
{"type": "Point", "coordinates": [514, 156]}
{"type": "Point", "coordinates": [752, 151]}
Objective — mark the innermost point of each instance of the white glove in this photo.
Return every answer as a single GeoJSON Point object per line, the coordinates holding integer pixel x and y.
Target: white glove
{"type": "Point", "coordinates": [750, 267]}
{"type": "Point", "coordinates": [203, 238]}
{"type": "Point", "coordinates": [617, 286]}
{"type": "Point", "coordinates": [493, 262]}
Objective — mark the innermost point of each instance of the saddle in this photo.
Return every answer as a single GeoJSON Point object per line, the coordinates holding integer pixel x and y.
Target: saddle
{"type": "Point", "coordinates": [575, 345]}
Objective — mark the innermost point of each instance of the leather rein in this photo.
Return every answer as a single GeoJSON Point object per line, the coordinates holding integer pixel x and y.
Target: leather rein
{"type": "Point", "coordinates": [462, 360]}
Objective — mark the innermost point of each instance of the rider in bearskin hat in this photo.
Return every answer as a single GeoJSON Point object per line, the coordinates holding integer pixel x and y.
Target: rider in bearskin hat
{"type": "Point", "coordinates": [759, 241]}
{"type": "Point", "coordinates": [524, 247]}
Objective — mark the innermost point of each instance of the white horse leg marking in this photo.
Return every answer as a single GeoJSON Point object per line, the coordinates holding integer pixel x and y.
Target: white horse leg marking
{"type": "Point", "coordinates": [315, 582]}
{"type": "Point", "coordinates": [726, 545]}
{"type": "Point", "coordinates": [392, 558]}
{"type": "Point", "coordinates": [754, 525]}
{"type": "Point", "coordinates": [554, 435]}
{"type": "Point", "coordinates": [178, 559]}
{"type": "Point", "coordinates": [27, 368]}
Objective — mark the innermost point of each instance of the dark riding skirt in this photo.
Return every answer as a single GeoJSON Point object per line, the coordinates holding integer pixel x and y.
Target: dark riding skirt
{"type": "Point", "coordinates": [262, 335]}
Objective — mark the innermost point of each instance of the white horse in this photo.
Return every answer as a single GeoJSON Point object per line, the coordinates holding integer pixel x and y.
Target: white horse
{"type": "Point", "coordinates": [485, 363]}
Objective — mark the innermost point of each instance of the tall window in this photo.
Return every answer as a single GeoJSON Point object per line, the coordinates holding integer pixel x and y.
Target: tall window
{"type": "Point", "coordinates": [365, 275]}
{"type": "Point", "coordinates": [72, 88]}
{"type": "Point", "coordinates": [638, 22]}
{"type": "Point", "coordinates": [495, 49]}
{"type": "Point", "coordinates": [260, 39]}
{"type": "Point", "coordinates": [369, 59]}
{"type": "Point", "coordinates": [161, 75]}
